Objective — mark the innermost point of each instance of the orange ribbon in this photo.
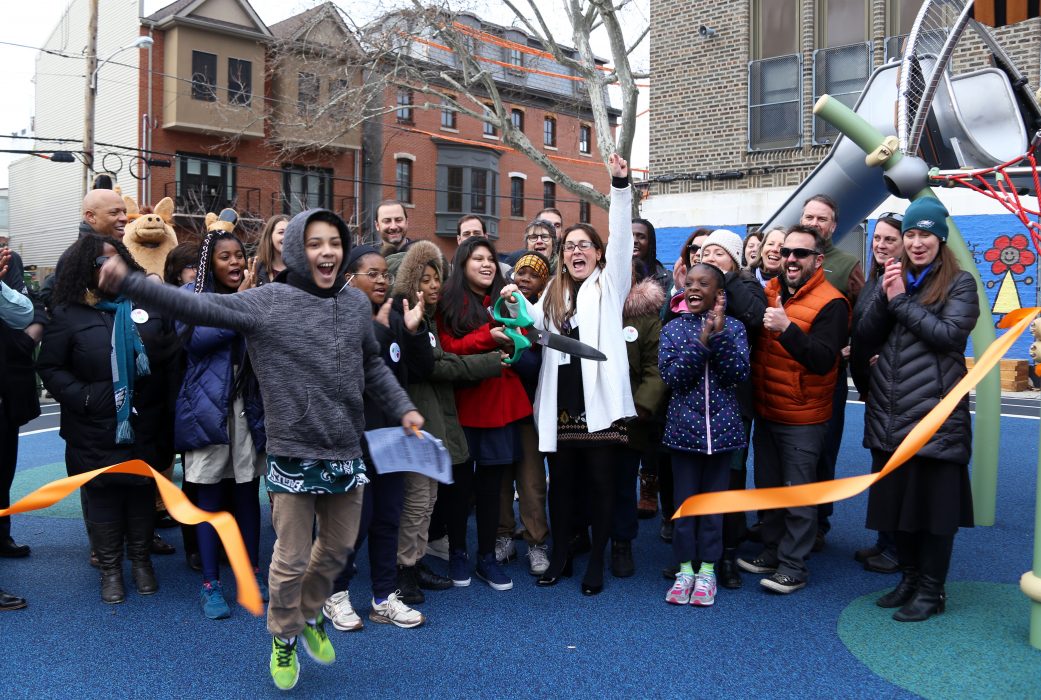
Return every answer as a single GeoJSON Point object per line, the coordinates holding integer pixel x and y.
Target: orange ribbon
{"type": "Point", "coordinates": [838, 489]}
{"type": "Point", "coordinates": [179, 507]}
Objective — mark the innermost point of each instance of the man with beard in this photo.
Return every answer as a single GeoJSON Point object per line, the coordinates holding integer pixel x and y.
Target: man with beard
{"type": "Point", "coordinates": [392, 226]}
{"type": "Point", "coordinates": [794, 370]}
{"type": "Point", "coordinates": [845, 273]}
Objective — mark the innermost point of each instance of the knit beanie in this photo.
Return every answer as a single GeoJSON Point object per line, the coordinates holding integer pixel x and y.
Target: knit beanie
{"type": "Point", "coordinates": [926, 214]}
{"type": "Point", "coordinates": [728, 241]}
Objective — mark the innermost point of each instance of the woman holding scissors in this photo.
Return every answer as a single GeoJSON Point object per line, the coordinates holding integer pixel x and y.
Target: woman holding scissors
{"type": "Point", "coordinates": [582, 405]}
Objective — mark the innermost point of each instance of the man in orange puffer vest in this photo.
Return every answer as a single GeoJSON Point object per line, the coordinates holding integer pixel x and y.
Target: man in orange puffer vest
{"type": "Point", "coordinates": [794, 370]}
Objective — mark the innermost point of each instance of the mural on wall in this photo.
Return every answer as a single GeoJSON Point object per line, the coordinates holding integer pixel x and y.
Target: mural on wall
{"type": "Point", "coordinates": [1009, 256]}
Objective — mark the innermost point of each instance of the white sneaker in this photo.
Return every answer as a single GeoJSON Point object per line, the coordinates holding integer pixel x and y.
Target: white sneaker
{"type": "Point", "coordinates": [394, 612]}
{"type": "Point", "coordinates": [505, 549]}
{"type": "Point", "coordinates": [438, 548]}
{"type": "Point", "coordinates": [538, 559]}
{"type": "Point", "coordinates": [339, 611]}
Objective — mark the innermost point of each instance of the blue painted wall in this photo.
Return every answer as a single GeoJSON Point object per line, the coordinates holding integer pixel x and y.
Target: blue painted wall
{"type": "Point", "coordinates": [1005, 256]}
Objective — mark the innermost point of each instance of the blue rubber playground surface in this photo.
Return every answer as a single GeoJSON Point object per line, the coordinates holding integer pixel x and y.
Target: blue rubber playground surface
{"type": "Point", "coordinates": [828, 640]}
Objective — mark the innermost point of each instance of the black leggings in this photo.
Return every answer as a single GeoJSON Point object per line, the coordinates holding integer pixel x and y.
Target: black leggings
{"type": "Point", "coordinates": [247, 516]}
{"type": "Point", "coordinates": [483, 482]}
{"type": "Point", "coordinates": [589, 472]}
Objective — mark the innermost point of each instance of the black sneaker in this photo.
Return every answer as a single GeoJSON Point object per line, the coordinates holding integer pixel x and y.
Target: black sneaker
{"type": "Point", "coordinates": [881, 564]}
{"type": "Point", "coordinates": [762, 564]}
{"type": "Point", "coordinates": [782, 583]}
{"type": "Point", "coordinates": [667, 528]}
{"type": "Point", "coordinates": [408, 586]}
{"type": "Point", "coordinates": [431, 580]}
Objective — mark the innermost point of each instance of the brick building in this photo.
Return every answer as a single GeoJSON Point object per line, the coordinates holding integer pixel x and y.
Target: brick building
{"type": "Point", "coordinates": [233, 111]}
{"type": "Point", "coordinates": [445, 164]}
{"type": "Point", "coordinates": [732, 133]}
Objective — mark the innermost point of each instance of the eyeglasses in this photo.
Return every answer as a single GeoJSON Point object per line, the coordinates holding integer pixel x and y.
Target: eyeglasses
{"type": "Point", "coordinates": [100, 260]}
{"type": "Point", "coordinates": [532, 237]}
{"type": "Point", "coordinates": [799, 253]}
{"type": "Point", "coordinates": [895, 216]}
{"type": "Point", "coordinates": [570, 246]}
{"type": "Point", "coordinates": [373, 275]}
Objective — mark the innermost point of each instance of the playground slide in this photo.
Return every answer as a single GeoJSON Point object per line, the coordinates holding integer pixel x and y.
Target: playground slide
{"type": "Point", "coordinates": [843, 175]}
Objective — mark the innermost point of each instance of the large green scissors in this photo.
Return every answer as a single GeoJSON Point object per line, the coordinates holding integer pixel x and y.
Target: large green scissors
{"type": "Point", "coordinates": [520, 328]}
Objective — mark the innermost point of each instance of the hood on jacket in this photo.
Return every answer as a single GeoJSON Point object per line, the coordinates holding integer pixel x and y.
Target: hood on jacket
{"type": "Point", "coordinates": [645, 297]}
{"type": "Point", "coordinates": [410, 272]}
{"type": "Point", "coordinates": [294, 255]}
{"type": "Point", "coordinates": [678, 304]}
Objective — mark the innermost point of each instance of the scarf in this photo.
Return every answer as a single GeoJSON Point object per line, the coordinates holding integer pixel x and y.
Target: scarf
{"type": "Point", "coordinates": [914, 283]}
{"type": "Point", "coordinates": [128, 361]}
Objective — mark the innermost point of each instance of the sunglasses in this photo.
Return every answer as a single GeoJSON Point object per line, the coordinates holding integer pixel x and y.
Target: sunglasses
{"type": "Point", "coordinates": [100, 260]}
{"type": "Point", "coordinates": [896, 216]}
{"type": "Point", "coordinates": [799, 253]}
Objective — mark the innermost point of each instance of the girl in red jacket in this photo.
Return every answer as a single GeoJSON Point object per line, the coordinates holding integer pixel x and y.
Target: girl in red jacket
{"type": "Point", "coordinates": [488, 411]}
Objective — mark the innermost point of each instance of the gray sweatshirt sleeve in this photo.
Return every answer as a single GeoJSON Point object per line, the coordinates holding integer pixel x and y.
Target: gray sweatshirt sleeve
{"type": "Point", "coordinates": [241, 312]}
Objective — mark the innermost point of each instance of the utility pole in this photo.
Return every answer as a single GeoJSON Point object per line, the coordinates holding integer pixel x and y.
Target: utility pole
{"type": "Point", "coordinates": [89, 95]}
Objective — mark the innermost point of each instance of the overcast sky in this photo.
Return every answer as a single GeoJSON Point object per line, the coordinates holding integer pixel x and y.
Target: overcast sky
{"type": "Point", "coordinates": [28, 24]}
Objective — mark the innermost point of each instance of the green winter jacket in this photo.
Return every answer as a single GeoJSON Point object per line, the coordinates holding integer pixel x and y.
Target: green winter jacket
{"type": "Point", "coordinates": [435, 397]}
{"type": "Point", "coordinates": [641, 328]}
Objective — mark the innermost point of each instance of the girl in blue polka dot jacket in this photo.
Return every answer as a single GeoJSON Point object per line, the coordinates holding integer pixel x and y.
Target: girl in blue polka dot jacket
{"type": "Point", "coordinates": [702, 356]}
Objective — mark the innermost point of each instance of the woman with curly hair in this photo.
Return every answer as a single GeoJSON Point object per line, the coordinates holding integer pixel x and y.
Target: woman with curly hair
{"type": "Point", "coordinates": [105, 360]}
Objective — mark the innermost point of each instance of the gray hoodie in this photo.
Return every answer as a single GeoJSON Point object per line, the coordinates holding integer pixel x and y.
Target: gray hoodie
{"type": "Point", "coordinates": [314, 357]}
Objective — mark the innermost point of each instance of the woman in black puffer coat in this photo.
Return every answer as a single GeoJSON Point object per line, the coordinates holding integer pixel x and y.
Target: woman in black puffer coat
{"type": "Point", "coordinates": [76, 359]}
{"type": "Point", "coordinates": [925, 307]}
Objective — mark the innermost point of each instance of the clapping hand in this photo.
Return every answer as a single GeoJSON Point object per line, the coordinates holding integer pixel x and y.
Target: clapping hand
{"type": "Point", "coordinates": [893, 279]}
{"type": "Point", "coordinates": [383, 315]}
{"type": "Point", "coordinates": [5, 255]}
{"type": "Point", "coordinates": [714, 319]}
{"type": "Point", "coordinates": [249, 275]}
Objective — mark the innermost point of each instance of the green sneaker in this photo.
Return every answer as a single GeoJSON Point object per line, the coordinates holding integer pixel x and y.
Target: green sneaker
{"type": "Point", "coordinates": [285, 670]}
{"type": "Point", "coordinates": [316, 641]}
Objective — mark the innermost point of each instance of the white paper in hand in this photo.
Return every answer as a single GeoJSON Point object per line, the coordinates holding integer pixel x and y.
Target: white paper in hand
{"type": "Point", "coordinates": [392, 450]}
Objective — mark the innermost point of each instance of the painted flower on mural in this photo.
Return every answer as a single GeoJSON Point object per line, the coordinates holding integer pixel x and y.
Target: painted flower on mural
{"type": "Point", "coordinates": [1010, 254]}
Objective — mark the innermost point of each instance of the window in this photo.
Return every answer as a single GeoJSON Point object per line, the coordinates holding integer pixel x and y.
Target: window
{"type": "Point", "coordinates": [841, 72]}
{"type": "Point", "coordinates": [467, 183]}
{"type": "Point", "coordinates": [517, 196]}
{"type": "Point", "coordinates": [455, 189]}
{"type": "Point", "coordinates": [583, 211]}
{"type": "Point", "coordinates": [841, 22]}
{"type": "Point", "coordinates": [549, 132]}
{"type": "Point", "coordinates": [584, 135]}
{"type": "Point", "coordinates": [403, 180]}
{"type": "Point", "coordinates": [308, 87]}
{"type": "Point", "coordinates": [404, 111]}
{"type": "Point", "coordinates": [900, 16]}
{"type": "Point", "coordinates": [478, 191]}
{"type": "Point", "coordinates": [449, 117]}
{"type": "Point", "coordinates": [517, 119]}
{"type": "Point", "coordinates": [204, 183]}
{"type": "Point", "coordinates": [204, 76]}
{"type": "Point", "coordinates": [339, 94]}
{"type": "Point", "coordinates": [306, 188]}
{"type": "Point", "coordinates": [489, 129]}
{"type": "Point", "coordinates": [549, 194]}
{"type": "Point", "coordinates": [515, 57]}
{"type": "Point", "coordinates": [775, 103]}
{"type": "Point", "coordinates": [240, 81]}
{"type": "Point", "coordinates": [775, 28]}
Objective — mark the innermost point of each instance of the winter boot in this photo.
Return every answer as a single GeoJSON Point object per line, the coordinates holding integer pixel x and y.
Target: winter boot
{"type": "Point", "coordinates": [930, 598]}
{"type": "Point", "coordinates": [907, 557]}
{"type": "Point", "coordinates": [648, 505]}
{"type": "Point", "coordinates": [139, 550]}
{"type": "Point", "coordinates": [107, 542]}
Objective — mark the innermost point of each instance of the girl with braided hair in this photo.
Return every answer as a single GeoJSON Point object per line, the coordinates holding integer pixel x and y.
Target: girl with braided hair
{"type": "Point", "coordinates": [220, 418]}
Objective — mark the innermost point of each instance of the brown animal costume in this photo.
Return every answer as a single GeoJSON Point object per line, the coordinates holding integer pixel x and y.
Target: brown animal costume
{"type": "Point", "coordinates": [150, 237]}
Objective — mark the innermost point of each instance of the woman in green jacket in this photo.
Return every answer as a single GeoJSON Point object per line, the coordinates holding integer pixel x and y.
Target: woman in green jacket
{"type": "Point", "coordinates": [641, 327]}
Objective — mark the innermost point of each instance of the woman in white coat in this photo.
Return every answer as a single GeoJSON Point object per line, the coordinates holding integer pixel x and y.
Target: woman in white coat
{"type": "Point", "coordinates": [581, 405]}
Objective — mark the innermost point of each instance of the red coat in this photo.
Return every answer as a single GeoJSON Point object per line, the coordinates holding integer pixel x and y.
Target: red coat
{"type": "Point", "coordinates": [494, 402]}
